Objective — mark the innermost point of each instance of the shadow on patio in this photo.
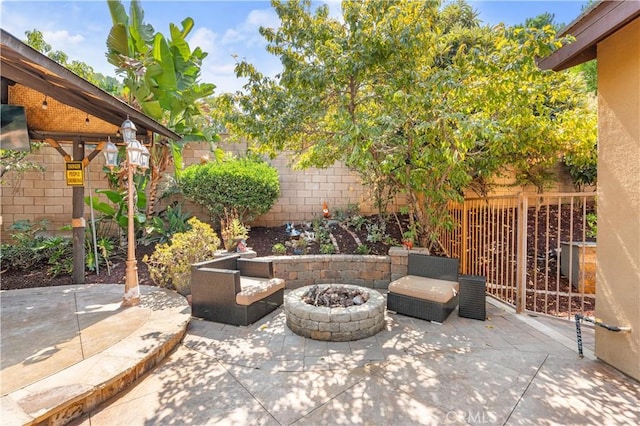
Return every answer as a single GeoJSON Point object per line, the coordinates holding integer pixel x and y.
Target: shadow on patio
{"type": "Point", "coordinates": [509, 369]}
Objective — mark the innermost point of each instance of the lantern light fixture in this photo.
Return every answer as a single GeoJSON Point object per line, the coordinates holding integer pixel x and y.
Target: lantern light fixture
{"type": "Point", "coordinates": [110, 154]}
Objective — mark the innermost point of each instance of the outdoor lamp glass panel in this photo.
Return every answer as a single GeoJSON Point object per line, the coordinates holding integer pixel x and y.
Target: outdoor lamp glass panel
{"type": "Point", "coordinates": [128, 130]}
{"type": "Point", "coordinates": [134, 149]}
{"type": "Point", "coordinates": [144, 158]}
{"type": "Point", "coordinates": [111, 154]}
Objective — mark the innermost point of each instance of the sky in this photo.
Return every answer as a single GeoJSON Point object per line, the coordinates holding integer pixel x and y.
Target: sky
{"type": "Point", "coordinates": [226, 30]}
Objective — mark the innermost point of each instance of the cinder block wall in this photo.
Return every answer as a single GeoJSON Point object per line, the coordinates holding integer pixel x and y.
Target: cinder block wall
{"type": "Point", "coordinates": [45, 195]}
{"type": "Point", "coordinates": [301, 191]}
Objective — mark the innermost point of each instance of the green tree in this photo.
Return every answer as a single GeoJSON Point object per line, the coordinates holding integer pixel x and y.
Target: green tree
{"type": "Point", "coordinates": [417, 95]}
{"type": "Point", "coordinates": [161, 76]}
{"type": "Point", "coordinates": [17, 162]}
{"type": "Point", "coordinates": [35, 39]}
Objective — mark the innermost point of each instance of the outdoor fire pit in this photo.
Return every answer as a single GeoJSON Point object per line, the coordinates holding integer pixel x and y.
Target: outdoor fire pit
{"type": "Point", "coordinates": [362, 317]}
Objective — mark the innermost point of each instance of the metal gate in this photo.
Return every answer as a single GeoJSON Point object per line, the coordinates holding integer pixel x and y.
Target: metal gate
{"type": "Point", "coordinates": [537, 251]}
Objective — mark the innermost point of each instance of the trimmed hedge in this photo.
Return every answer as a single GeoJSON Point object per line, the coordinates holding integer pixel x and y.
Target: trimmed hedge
{"type": "Point", "coordinates": [249, 186]}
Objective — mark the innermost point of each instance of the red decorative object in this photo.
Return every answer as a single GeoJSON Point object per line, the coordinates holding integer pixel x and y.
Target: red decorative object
{"type": "Point", "coordinates": [325, 210]}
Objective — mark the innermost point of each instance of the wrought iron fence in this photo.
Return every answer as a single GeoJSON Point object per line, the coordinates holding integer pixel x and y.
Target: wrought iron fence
{"type": "Point", "coordinates": [537, 251]}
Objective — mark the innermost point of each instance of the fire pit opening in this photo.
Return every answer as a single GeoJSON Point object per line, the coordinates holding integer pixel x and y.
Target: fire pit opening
{"type": "Point", "coordinates": [334, 312]}
{"type": "Point", "coordinates": [335, 296]}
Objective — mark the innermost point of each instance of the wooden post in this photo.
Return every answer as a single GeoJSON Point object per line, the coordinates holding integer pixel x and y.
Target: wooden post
{"type": "Point", "coordinates": [77, 221]}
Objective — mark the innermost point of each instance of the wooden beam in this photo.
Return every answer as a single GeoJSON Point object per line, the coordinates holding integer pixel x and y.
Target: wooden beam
{"type": "Point", "coordinates": [590, 29]}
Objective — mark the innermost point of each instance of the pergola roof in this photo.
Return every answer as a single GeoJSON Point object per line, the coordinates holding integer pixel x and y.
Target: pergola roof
{"type": "Point", "coordinates": [42, 76]}
{"type": "Point", "coordinates": [589, 29]}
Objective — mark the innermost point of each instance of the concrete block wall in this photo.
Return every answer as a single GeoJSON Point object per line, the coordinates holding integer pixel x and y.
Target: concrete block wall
{"type": "Point", "coordinates": [45, 195]}
{"type": "Point", "coordinates": [302, 192]}
{"type": "Point", "coordinates": [364, 270]}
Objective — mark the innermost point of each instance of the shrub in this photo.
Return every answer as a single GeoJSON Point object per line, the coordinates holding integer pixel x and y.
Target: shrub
{"type": "Point", "coordinates": [327, 248]}
{"type": "Point", "coordinates": [31, 247]}
{"type": "Point", "coordinates": [247, 185]}
{"type": "Point", "coordinates": [279, 249]}
{"type": "Point", "coordinates": [160, 228]}
{"type": "Point", "coordinates": [363, 249]}
{"type": "Point", "coordinates": [170, 263]}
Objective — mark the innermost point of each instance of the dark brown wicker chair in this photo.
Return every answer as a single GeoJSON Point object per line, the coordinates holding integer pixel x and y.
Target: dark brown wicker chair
{"type": "Point", "coordinates": [215, 285]}
{"type": "Point", "coordinates": [438, 268]}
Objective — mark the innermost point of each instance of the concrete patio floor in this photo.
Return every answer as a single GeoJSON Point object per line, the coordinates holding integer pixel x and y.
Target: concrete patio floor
{"type": "Point", "coordinates": [511, 369]}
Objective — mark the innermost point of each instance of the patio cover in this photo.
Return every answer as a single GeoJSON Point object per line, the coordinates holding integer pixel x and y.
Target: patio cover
{"type": "Point", "coordinates": [36, 76]}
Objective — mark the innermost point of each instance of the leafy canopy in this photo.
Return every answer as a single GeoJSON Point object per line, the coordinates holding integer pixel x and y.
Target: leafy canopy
{"type": "Point", "coordinates": [415, 96]}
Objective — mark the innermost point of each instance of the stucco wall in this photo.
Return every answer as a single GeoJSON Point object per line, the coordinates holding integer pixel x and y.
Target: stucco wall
{"type": "Point", "coordinates": [618, 273]}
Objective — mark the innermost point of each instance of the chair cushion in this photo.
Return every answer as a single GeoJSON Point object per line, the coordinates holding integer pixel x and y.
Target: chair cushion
{"type": "Point", "coordinates": [424, 288]}
{"type": "Point", "coordinates": [254, 289]}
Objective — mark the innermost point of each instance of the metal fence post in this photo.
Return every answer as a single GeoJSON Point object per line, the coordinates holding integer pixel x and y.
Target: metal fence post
{"type": "Point", "coordinates": [521, 254]}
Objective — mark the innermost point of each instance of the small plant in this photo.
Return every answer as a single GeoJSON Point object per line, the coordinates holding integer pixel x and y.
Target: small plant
{"type": "Point", "coordinates": [60, 255]}
{"type": "Point", "coordinates": [298, 245]}
{"type": "Point", "coordinates": [363, 249]}
{"type": "Point", "coordinates": [322, 233]}
{"type": "Point", "coordinates": [232, 230]}
{"type": "Point", "coordinates": [357, 222]}
{"type": "Point", "coordinates": [279, 249]}
{"type": "Point", "coordinates": [170, 263]}
{"type": "Point", "coordinates": [377, 232]}
{"type": "Point", "coordinates": [106, 247]}
{"type": "Point", "coordinates": [159, 229]}
{"type": "Point", "coordinates": [342, 215]}
{"type": "Point", "coordinates": [29, 246]}
{"type": "Point", "coordinates": [592, 225]}
{"type": "Point", "coordinates": [409, 238]}
{"type": "Point", "coordinates": [327, 249]}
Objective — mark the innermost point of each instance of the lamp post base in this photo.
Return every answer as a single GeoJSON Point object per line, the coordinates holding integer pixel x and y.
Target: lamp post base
{"type": "Point", "coordinates": [131, 288]}
{"type": "Point", "coordinates": [131, 297]}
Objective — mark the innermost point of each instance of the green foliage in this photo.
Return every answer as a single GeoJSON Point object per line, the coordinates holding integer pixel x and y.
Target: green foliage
{"type": "Point", "coordinates": [106, 249]}
{"type": "Point", "coordinates": [592, 225]}
{"type": "Point", "coordinates": [36, 40]}
{"type": "Point", "coordinates": [363, 249]}
{"type": "Point", "coordinates": [60, 255]}
{"type": "Point", "coordinates": [342, 215]}
{"type": "Point", "coordinates": [581, 159]}
{"type": "Point", "coordinates": [161, 75]}
{"type": "Point", "coordinates": [376, 232]}
{"type": "Point", "coordinates": [118, 210]}
{"type": "Point", "coordinates": [357, 222]}
{"type": "Point", "coordinates": [298, 245]}
{"type": "Point", "coordinates": [279, 249]}
{"type": "Point", "coordinates": [161, 227]}
{"type": "Point", "coordinates": [170, 263]}
{"type": "Point", "coordinates": [327, 248]}
{"type": "Point", "coordinates": [25, 251]}
{"type": "Point", "coordinates": [232, 230]}
{"type": "Point", "coordinates": [31, 247]}
{"type": "Point", "coordinates": [419, 99]}
{"type": "Point", "coordinates": [245, 185]}
{"type": "Point", "coordinates": [17, 162]}
{"type": "Point", "coordinates": [322, 233]}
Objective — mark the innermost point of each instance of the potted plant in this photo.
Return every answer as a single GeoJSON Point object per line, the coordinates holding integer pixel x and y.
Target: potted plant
{"type": "Point", "coordinates": [408, 238]}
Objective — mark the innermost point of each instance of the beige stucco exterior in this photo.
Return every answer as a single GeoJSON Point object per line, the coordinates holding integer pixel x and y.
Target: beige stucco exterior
{"type": "Point", "coordinates": [618, 273]}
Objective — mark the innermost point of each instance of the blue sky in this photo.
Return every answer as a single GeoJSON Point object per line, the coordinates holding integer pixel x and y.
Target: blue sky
{"type": "Point", "coordinates": [222, 28]}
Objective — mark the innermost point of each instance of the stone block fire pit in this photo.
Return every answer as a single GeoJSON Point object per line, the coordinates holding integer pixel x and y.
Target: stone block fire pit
{"type": "Point", "coordinates": [336, 324]}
